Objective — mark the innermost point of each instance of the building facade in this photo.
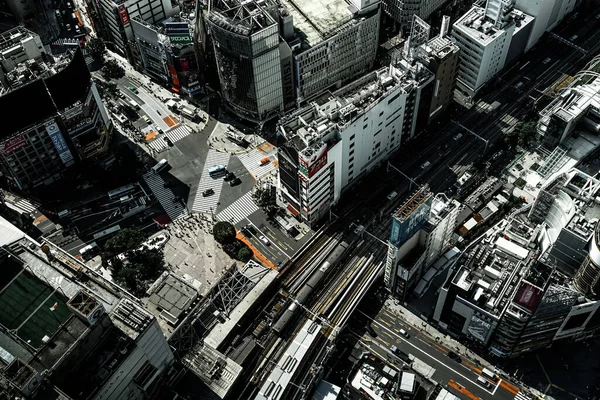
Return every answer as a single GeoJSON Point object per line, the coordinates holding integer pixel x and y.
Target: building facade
{"type": "Point", "coordinates": [67, 122]}
{"type": "Point", "coordinates": [340, 137]}
{"type": "Point", "coordinates": [113, 19]}
{"type": "Point", "coordinates": [18, 45]}
{"type": "Point", "coordinates": [402, 11]}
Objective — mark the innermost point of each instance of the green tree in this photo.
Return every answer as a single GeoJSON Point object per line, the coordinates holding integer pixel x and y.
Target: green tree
{"type": "Point", "coordinates": [95, 47]}
{"type": "Point", "coordinates": [526, 131]}
{"type": "Point", "coordinates": [224, 232]}
{"type": "Point", "coordinates": [149, 263]}
{"type": "Point", "coordinates": [244, 254]}
{"type": "Point", "coordinates": [112, 70]}
{"type": "Point", "coordinates": [126, 240]}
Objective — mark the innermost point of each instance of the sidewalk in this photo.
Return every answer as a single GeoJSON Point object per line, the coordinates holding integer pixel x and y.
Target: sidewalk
{"type": "Point", "coordinates": [218, 139]}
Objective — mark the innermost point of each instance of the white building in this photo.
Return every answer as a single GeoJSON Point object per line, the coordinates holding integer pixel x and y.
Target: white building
{"type": "Point", "coordinates": [547, 13]}
{"type": "Point", "coordinates": [402, 11]}
{"type": "Point", "coordinates": [484, 37]}
{"type": "Point", "coordinates": [341, 136]}
{"type": "Point", "coordinates": [18, 45]}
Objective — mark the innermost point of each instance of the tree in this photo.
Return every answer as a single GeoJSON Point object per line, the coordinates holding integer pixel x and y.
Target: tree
{"type": "Point", "coordinates": [127, 239]}
{"type": "Point", "coordinates": [526, 130]}
{"type": "Point", "coordinates": [224, 232]}
{"type": "Point", "coordinates": [112, 70]}
{"type": "Point", "coordinates": [95, 47]}
{"type": "Point", "coordinates": [244, 254]}
{"type": "Point", "coordinates": [149, 263]}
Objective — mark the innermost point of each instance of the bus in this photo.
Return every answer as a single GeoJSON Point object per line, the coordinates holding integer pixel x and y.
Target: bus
{"type": "Point", "coordinates": [121, 191]}
{"type": "Point", "coordinates": [89, 251]}
{"type": "Point", "coordinates": [133, 104]}
{"type": "Point", "coordinates": [162, 164]}
{"type": "Point", "coordinates": [217, 169]}
{"type": "Point", "coordinates": [107, 232]}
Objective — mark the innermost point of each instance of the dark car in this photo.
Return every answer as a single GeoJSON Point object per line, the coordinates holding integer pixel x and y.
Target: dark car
{"type": "Point", "coordinates": [371, 331]}
{"type": "Point", "coordinates": [229, 176]}
{"type": "Point", "coordinates": [208, 192]}
{"type": "Point", "coordinates": [235, 182]}
{"type": "Point", "coordinates": [453, 356]}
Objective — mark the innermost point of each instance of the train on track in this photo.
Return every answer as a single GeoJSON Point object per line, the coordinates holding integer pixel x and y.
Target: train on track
{"type": "Point", "coordinates": [312, 284]}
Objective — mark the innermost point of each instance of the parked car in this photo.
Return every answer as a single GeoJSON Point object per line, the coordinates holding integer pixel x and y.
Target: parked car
{"type": "Point", "coordinates": [208, 192]}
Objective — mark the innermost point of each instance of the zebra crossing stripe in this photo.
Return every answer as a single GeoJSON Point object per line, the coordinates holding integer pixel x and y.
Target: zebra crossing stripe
{"type": "Point", "coordinates": [209, 203]}
{"type": "Point", "coordinates": [252, 162]}
{"type": "Point", "coordinates": [165, 196]}
{"type": "Point", "coordinates": [158, 144]}
{"type": "Point", "coordinates": [178, 133]}
{"type": "Point", "coordinates": [240, 209]}
{"type": "Point", "coordinates": [522, 396]}
{"type": "Point", "coordinates": [26, 206]}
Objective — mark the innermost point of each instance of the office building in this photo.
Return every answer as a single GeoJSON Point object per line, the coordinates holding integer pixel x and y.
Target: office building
{"type": "Point", "coordinates": [547, 14]}
{"type": "Point", "coordinates": [484, 36]}
{"type": "Point", "coordinates": [322, 47]}
{"type": "Point", "coordinates": [341, 136]}
{"type": "Point", "coordinates": [66, 120]}
{"type": "Point", "coordinates": [422, 231]}
{"type": "Point", "coordinates": [441, 56]}
{"type": "Point", "coordinates": [249, 56]}
{"type": "Point", "coordinates": [56, 326]}
{"type": "Point", "coordinates": [18, 45]}
{"type": "Point", "coordinates": [113, 19]}
{"type": "Point", "coordinates": [575, 108]}
{"type": "Point", "coordinates": [167, 53]}
{"type": "Point", "coordinates": [331, 43]}
{"type": "Point", "coordinates": [523, 285]}
{"type": "Point", "coordinates": [402, 11]}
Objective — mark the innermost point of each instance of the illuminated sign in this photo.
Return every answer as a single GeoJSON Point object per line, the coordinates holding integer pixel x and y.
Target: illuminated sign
{"type": "Point", "coordinates": [178, 32]}
{"type": "Point", "coordinates": [123, 14]}
{"type": "Point", "coordinates": [11, 145]}
{"type": "Point", "coordinates": [59, 143]}
{"type": "Point", "coordinates": [309, 166]}
{"type": "Point", "coordinates": [174, 77]}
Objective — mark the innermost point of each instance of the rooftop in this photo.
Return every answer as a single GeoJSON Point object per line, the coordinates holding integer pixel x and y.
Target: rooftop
{"type": "Point", "coordinates": [171, 296]}
{"type": "Point", "coordinates": [216, 371]}
{"type": "Point", "coordinates": [242, 17]}
{"type": "Point", "coordinates": [321, 120]}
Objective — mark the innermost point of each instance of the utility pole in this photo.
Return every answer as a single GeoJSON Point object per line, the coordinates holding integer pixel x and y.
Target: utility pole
{"type": "Point", "coordinates": [389, 165]}
{"type": "Point", "coordinates": [486, 141]}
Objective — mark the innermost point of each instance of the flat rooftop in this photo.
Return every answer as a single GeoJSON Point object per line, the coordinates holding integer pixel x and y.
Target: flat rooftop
{"type": "Point", "coordinates": [474, 24]}
{"type": "Point", "coordinates": [318, 19]}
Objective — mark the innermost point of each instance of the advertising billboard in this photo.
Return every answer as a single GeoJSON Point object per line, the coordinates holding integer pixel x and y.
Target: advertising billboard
{"type": "Point", "coordinates": [123, 14]}
{"type": "Point", "coordinates": [59, 143]}
{"type": "Point", "coordinates": [402, 230]}
{"type": "Point", "coordinates": [178, 32]}
{"type": "Point", "coordinates": [12, 144]}
{"type": "Point", "coordinates": [528, 296]}
{"type": "Point", "coordinates": [310, 165]}
{"type": "Point", "coordinates": [174, 77]}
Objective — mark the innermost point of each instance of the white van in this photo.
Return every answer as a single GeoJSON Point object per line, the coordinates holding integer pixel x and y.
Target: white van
{"type": "Point", "coordinates": [425, 164]}
{"type": "Point", "coordinates": [392, 195]}
{"type": "Point", "coordinates": [489, 374]}
{"type": "Point", "coordinates": [484, 382]}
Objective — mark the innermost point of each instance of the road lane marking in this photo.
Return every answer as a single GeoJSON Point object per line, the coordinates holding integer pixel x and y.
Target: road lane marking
{"type": "Point", "coordinates": [278, 248]}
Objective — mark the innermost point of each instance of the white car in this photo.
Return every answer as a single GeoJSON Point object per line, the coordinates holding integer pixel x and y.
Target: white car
{"type": "Point", "coordinates": [264, 239]}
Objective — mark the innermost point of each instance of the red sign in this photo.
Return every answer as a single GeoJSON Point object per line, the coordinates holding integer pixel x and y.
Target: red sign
{"type": "Point", "coordinates": [124, 15]}
{"type": "Point", "coordinates": [313, 164]}
{"type": "Point", "coordinates": [174, 77]}
{"type": "Point", "coordinates": [13, 144]}
{"type": "Point", "coordinates": [528, 296]}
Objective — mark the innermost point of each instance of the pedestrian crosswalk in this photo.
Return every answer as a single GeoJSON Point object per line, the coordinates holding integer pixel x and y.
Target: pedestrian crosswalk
{"type": "Point", "coordinates": [252, 162]}
{"type": "Point", "coordinates": [177, 133]}
{"type": "Point", "coordinates": [24, 206]}
{"type": "Point", "coordinates": [522, 396]}
{"type": "Point", "coordinates": [208, 204]}
{"type": "Point", "coordinates": [158, 144]}
{"type": "Point", "coordinates": [165, 196]}
{"type": "Point", "coordinates": [240, 209]}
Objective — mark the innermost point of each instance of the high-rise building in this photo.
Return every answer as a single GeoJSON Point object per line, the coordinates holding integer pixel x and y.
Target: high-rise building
{"type": "Point", "coordinates": [547, 14]}
{"type": "Point", "coordinates": [18, 45]}
{"type": "Point", "coordinates": [441, 56]}
{"type": "Point", "coordinates": [587, 279]}
{"type": "Point", "coordinates": [66, 120]}
{"type": "Point", "coordinates": [249, 56]}
{"type": "Point", "coordinates": [112, 19]}
{"type": "Point", "coordinates": [55, 325]}
{"type": "Point", "coordinates": [403, 11]}
{"type": "Point", "coordinates": [167, 53]}
{"type": "Point", "coordinates": [341, 136]}
{"type": "Point", "coordinates": [262, 76]}
{"type": "Point", "coordinates": [484, 36]}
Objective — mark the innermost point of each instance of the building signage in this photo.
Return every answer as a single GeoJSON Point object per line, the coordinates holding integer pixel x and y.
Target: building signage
{"type": "Point", "coordinates": [174, 77]}
{"type": "Point", "coordinates": [123, 14]}
{"type": "Point", "coordinates": [404, 230]}
{"type": "Point", "coordinates": [178, 32]}
{"type": "Point", "coordinates": [309, 166]}
{"type": "Point", "coordinates": [12, 144]}
{"type": "Point", "coordinates": [59, 143]}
